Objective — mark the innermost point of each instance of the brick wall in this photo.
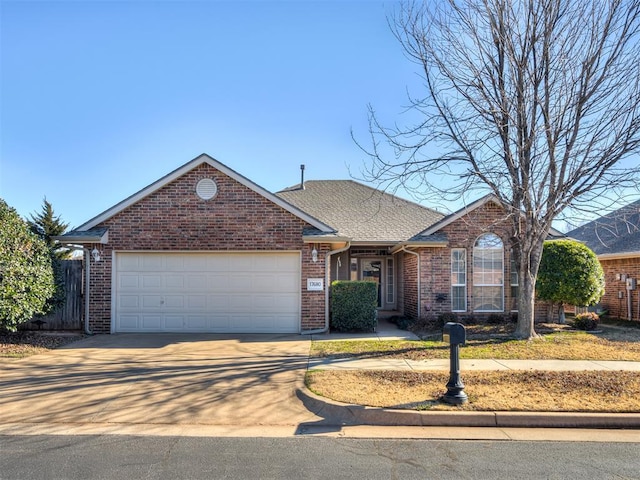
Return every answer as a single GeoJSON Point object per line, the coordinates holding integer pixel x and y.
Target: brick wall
{"type": "Point", "coordinates": [435, 265]}
{"type": "Point", "coordinates": [618, 307]}
{"type": "Point", "coordinates": [410, 285]}
{"type": "Point", "coordinates": [174, 218]}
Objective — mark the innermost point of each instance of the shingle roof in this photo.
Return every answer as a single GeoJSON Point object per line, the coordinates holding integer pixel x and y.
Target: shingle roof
{"type": "Point", "coordinates": [360, 212]}
{"type": "Point", "coordinates": [93, 235]}
{"type": "Point", "coordinates": [615, 233]}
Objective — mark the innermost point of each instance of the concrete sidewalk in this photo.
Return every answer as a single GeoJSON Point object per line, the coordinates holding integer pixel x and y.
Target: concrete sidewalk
{"type": "Point", "coordinates": [469, 364]}
{"type": "Point", "coordinates": [360, 415]}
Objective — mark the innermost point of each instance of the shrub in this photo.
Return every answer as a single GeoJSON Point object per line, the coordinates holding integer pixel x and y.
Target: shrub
{"type": "Point", "coordinates": [569, 273]}
{"type": "Point", "coordinates": [447, 317]}
{"type": "Point", "coordinates": [353, 306]}
{"type": "Point", "coordinates": [495, 319]}
{"type": "Point", "coordinates": [405, 323]}
{"type": "Point", "coordinates": [26, 276]}
{"type": "Point", "coordinates": [586, 321]}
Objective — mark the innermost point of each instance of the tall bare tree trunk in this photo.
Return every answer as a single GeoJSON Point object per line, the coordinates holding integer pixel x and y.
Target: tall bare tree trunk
{"type": "Point", "coordinates": [526, 310]}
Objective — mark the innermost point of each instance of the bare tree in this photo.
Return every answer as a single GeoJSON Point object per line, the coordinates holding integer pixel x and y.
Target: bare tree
{"type": "Point", "coordinates": [536, 101]}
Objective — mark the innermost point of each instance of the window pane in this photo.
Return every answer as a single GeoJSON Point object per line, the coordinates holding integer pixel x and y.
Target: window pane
{"type": "Point", "coordinates": [458, 280]}
{"type": "Point", "coordinates": [458, 299]}
{"type": "Point", "coordinates": [488, 274]}
{"type": "Point", "coordinates": [488, 299]}
{"type": "Point", "coordinates": [390, 281]}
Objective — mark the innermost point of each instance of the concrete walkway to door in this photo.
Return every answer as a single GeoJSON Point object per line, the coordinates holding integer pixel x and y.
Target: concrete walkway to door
{"type": "Point", "coordinates": [205, 379]}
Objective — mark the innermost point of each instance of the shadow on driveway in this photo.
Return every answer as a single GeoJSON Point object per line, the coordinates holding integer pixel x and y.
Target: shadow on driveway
{"type": "Point", "coordinates": [161, 378]}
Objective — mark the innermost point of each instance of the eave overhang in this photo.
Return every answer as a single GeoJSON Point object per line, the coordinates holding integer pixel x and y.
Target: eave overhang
{"type": "Point", "coordinates": [618, 256]}
{"type": "Point", "coordinates": [96, 235]}
{"type": "Point", "coordinates": [412, 244]}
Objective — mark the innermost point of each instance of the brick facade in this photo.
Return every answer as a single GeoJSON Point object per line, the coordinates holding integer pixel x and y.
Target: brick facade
{"type": "Point", "coordinates": [174, 218]}
{"type": "Point", "coordinates": [435, 266]}
{"type": "Point", "coordinates": [616, 297]}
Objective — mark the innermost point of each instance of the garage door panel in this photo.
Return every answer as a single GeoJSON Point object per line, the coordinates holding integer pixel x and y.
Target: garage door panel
{"type": "Point", "coordinates": [196, 302]}
{"type": "Point", "coordinates": [196, 282]}
{"type": "Point", "coordinates": [174, 301]}
{"type": "Point", "coordinates": [152, 322]}
{"type": "Point", "coordinates": [129, 301]}
{"type": "Point", "coordinates": [196, 322]}
{"type": "Point", "coordinates": [208, 292]}
{"type": "Point", "coordinates": [129, 322]}
{"type": "Point", "coordinates": [151, 281]}
{"type": "Point", "coordinates": [128, 281]}
{"type": "Point", "coordinates": [174, 281]}
{"type": "Point", "coordinates": [153, 263]}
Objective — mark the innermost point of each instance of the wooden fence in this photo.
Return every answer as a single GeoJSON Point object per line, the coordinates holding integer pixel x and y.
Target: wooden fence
{"type": "Point", "coordinates": [69, 316]}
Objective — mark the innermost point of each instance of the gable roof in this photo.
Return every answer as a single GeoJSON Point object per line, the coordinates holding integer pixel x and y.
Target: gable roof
{"type": "Point", "coordinates": [203, 158]}
{"type": "Point", "coordinates": [433, 230]}
{"type": "Point", "coordinates": [359, 212]}
{"type": "Point", "coordinates": [616, 234]}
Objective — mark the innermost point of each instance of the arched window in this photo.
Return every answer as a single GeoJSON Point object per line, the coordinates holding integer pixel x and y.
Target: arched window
{"type": "Point", "coordinates": [488, 274]}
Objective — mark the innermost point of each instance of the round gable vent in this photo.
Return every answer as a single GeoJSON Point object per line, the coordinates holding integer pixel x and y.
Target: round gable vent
{"type": "Point", "coordinates": [206, 189]}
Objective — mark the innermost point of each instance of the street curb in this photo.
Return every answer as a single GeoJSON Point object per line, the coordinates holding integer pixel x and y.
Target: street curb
{"type": "Point", "coordinates": [350, 414]}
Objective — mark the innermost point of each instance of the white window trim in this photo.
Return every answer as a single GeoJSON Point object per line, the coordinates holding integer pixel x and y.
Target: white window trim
{"type": "Point", "coordinates": [501, 285]}
{"type": "Point", "coordinates": [464, 251]}
{"type": "Point", "coordinates": [390, 273]}
{"type": "Point", "coordinates": [511, 278]}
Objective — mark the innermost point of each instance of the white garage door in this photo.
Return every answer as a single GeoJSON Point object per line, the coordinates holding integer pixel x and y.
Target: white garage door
{"type": "Point", "coordinates": [207, 292]}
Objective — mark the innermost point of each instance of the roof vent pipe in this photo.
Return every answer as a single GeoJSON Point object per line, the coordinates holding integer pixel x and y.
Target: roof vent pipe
{"type": "Point", "coordinates": [301, 177]}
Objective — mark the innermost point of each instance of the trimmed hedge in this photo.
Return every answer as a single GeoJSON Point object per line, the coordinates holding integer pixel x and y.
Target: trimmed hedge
{"type": "Point", "coordinates": [586, 321]}
{"type": "Point", "coordinates": [353, 306]}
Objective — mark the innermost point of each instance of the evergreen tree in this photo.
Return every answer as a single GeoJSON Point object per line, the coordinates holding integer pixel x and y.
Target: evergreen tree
{"type": "Point", "coordinates": [48, 225]}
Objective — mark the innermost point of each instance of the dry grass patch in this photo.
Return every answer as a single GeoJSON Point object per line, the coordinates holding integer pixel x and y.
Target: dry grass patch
{"type": "Point", "coordinates": [610, 344]}
{"type": "Point", "coordinates": [25, 344]}
{"type": "Point", "coordinates": [604, 391]}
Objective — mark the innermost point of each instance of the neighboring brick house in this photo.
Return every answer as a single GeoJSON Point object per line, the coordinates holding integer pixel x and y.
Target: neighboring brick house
{"type": "Point", "coordinates": [205, 249]}
{"type": "Point", "coordinates": [615, 238]}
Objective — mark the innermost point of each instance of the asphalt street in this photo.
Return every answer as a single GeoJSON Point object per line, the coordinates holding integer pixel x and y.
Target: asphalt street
{"type": "Point", "coordinates": [126, 457]}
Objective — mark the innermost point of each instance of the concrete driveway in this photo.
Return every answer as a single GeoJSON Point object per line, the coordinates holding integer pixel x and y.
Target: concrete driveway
{"type": "Point", "coordinates": [178, 379]}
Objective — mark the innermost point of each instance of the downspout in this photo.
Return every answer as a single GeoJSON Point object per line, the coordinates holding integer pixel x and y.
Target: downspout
{"type": "Point", "coordinates": [327, 279]}
{"type": "Point", "coordinates": [404, 249]}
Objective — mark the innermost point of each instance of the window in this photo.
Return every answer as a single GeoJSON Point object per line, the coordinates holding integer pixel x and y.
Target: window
{"type": "Point", "coordinates": [514, 285]}
{"type": "Point", "coordinates": [390, 281]}
{"type": "Point", "coordinates": [488, 273]}
{"type": "Point", "coordinates": [458, 280]}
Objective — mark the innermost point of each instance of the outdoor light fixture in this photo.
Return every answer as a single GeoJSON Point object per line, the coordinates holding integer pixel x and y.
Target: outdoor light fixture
{"type": "Point", "coordinates": [95, 253]}
{"type": "Point", "coordinates": [314, 254]}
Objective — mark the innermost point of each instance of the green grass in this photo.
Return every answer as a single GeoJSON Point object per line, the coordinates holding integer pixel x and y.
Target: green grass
{"type": "Point", "coordinates": [566, 345]}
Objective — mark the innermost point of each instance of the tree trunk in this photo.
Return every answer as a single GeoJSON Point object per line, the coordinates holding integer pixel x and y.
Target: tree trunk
{"type": "Point", "coordinates": [528, 255]}
{"type": "Point", "coordinates": [561, 318]}
{"type": "Point", "coordinates": [550, 308]}
{"type": "Point", "coordinates": [526, 309]}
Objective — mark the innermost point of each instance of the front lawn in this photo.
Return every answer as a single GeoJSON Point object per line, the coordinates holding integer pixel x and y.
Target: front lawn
{"type": "Point", "coordinates": [613, 343]}
{"type": "Point", "coordinates": [587, 391]}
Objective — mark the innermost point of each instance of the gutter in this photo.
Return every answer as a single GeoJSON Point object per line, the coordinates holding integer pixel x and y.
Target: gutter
{"type": "Point", "coordinates": [404, 249]}
{"type": "Point", "coordinates": [327, 272]}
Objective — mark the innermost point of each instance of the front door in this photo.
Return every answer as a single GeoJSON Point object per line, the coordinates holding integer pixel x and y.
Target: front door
{"type": "Point", "coordinates": [371, 271]}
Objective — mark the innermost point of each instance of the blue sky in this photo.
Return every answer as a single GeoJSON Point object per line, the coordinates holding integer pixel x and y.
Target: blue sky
{"type": "Point", "coordinates": [100, 99]}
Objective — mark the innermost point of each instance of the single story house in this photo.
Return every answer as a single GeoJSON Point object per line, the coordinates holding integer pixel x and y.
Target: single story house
{"type": "Point", "coordinates": [205, 249]}
{"type": "Point", "coordinates": [615, 239]}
